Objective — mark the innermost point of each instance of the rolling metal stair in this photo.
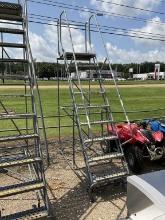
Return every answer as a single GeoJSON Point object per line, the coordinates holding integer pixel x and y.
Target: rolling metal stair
{"type": "Point", "coordinates": [90, 115]}
{"type": "Point", "coordinates": [21, 157]}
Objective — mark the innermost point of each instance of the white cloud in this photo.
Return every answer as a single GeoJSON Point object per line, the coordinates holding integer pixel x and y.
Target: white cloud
{"type": "Point", "coordinates": [154, 26]}
{"type": "Point", "coordinates": [147, 4]}
{"type": "Point", "coordinates": [112, 8]}
{"type": "Point", "coordinates": [127, 56]}
{"type": "Point", "coordinates": [12, 24]}
{"type": "Point", "coordinates": [41, 48]}
{"type": "Point", "coordinates": [45, 47]}
{"type": "Point", "coordinates": [85, 13]}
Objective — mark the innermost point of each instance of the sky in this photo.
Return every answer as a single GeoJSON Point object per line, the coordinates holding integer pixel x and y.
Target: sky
{"type": "Point", "coordinates": [121, 49]}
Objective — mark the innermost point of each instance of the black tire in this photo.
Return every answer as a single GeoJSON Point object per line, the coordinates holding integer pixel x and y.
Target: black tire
{"type": "Point", "coordinates": [134, 158]}
{"type": "Point", "coordinates": [109, 146]}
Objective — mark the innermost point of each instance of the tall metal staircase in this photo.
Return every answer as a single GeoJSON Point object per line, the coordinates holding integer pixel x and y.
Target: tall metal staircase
{"type": "Point", "coordinates": [92, 109]}
{"type": "Point", "coordinates": [21, 157]}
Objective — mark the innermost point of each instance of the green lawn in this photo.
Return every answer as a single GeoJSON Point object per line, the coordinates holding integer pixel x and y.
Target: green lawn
{"type": "Point", "coordinates": [135, 99]}
{"type": "Point", "coordinates": [126, 82]}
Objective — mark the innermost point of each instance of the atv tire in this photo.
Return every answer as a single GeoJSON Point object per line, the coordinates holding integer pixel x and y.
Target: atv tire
{"type": "Point", "coordinates": [134, 158]}
{"type": "Point", "coordinates": [109, 146]}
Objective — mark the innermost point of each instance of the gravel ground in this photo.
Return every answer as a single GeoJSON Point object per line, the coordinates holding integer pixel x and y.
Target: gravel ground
{"type": "Point", "coordinates": [70, 198]}
{"type": "Point", "coordinates": [68, 195]}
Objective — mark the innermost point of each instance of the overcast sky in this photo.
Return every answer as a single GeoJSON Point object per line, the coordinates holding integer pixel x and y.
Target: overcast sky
{"type": "Point", "coordinates": [43, 38]}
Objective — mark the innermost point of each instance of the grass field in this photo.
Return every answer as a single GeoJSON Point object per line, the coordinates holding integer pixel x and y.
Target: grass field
{"type": "Point", "coordinates": [135, 99]}
{"type": "Point", "coordinates": [125, 82]}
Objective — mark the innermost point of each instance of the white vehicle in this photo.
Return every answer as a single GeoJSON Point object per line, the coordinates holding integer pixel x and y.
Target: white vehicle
{"type": "Point", "coordinates": [146, 196]}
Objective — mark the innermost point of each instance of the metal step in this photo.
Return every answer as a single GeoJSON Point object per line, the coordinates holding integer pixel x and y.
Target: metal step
{"type": "Point", "coordinates": [32, 214]}
{"type": "Point", "coordinates": [16, 116]}
{"type": "Point", "coordinates": [14, 77]}
{"type": "Point", "coordinates": [18, 161]}
{"type": "Point", "coordinates": [19, 137]}
{"type": "Point", "coordinates": [13, 84]}
{"type": "Point", "coordinates": [11, 31]}
{"type": "Point", "coordinates": [13, 60]}
{"type": "Point", "coordinates": [92, 106]}
{"type": "Point", "coordinates": [10, 8]}
{"type": "Point", "coordinates": [81, 93]}
{"type": "Point", "coordinates": [88, 106]}
{"type": "Point", "coordinates": [96, 122]}
{"type": "Point", "coordinates": [15, 95]}
{"type": "Point", "coordinates": [79, 56]}
{"type": "Point", "coordinates": [91, 92]}
{"type": "Point", "coordinates": [11, 17]}
{"type": "Point", "coordinates": [98, 139]}
{"type": "Point", "coordinates": [84, 66]}
{"type": "Point", "coordinates": [74, 79]}
{"type": "Point", "coordinates": [20, 188]}
{"type": "Point", "coordinates": [13, 45]}
{"type": "Point", "coordinates": [113, 176]}
{"type": "Point", "coordinates": [105, 157]}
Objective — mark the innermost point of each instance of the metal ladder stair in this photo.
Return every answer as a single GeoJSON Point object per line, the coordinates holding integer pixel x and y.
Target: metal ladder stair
{"type": "Point", "coordinates": [92, 118]}
{"type": "Point", "coordinates": [20, 141]}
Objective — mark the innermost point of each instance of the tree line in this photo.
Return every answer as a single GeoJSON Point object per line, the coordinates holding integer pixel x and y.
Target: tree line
{"type": "Point", "coordinates": [49, 70]}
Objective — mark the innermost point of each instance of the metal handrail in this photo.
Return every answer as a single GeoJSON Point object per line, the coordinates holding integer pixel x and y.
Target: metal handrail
{"type": "Point", "coordinates": [71, 86]}
{"type": "Point", "coordinates": [35, 81]}
{"type": "Point", "coordinates": [31, 69]}
{"type": "Point", "coordinates": [117, 90]}
{"type": "Point", "coordinates": [76, 65]}
{"type": "Point", "coordinates": [109, 62]}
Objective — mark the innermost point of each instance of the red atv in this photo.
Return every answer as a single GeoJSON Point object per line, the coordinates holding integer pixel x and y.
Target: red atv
{"type": "Point", "coordinates": [138, 143]}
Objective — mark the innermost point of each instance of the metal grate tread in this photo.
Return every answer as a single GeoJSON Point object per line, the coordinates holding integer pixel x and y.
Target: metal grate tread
{"type": "Point", "coordinates": [14, 45]}
{"type": "Point", "coordinates": [79, 56]}
{"type": "Point", "coordinates": [10, 8]}
{"type": "Point", "coordinates": [9, 17]}
{"type": "Point", "coordinates": [16, 77]}
{"type": "Point", "coordinates": [85, 66]}
{"type": "Point", "coordinates": [74, 79]}
{"type": "Point", "coordinates": [92, 106]}
{"type": "Point", "coordinates": [18, 161]}
{"type": "Point", "coordinates": [18, 137]}
{"type": "Point", "coordinates": [10, 5]}
{"type": "Point", "coordinates": [11, 31]}
{"type": "Point", "coordinates": [97, 139]}
{"type": "Point", "coordinates": [84, 92]}
{"type": "Point", "coordinates": [15, 95]}
{"type": "Point", "coordinates": [4, 60]}
{"type": "Point", "coordinates": [20, 188]}
{"type": "Point", "coordinates": [91, 92]}
{"type": "Point", "coordinates": [16, 116]}
{"type": "Point", "coordinates": [105, 157]}
{"type": "Point", "coordinates": [97, 122]}
{"type": "Point", "coordinates": [32, 214]}
{"type": "Point", "coordinates": [113, 176]}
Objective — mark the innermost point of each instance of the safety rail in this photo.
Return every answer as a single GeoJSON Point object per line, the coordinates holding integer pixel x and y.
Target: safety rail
{"type": "Point", "coordinates": [107, 59]}
{"type": "Point", "coordinates": [83, 102]}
